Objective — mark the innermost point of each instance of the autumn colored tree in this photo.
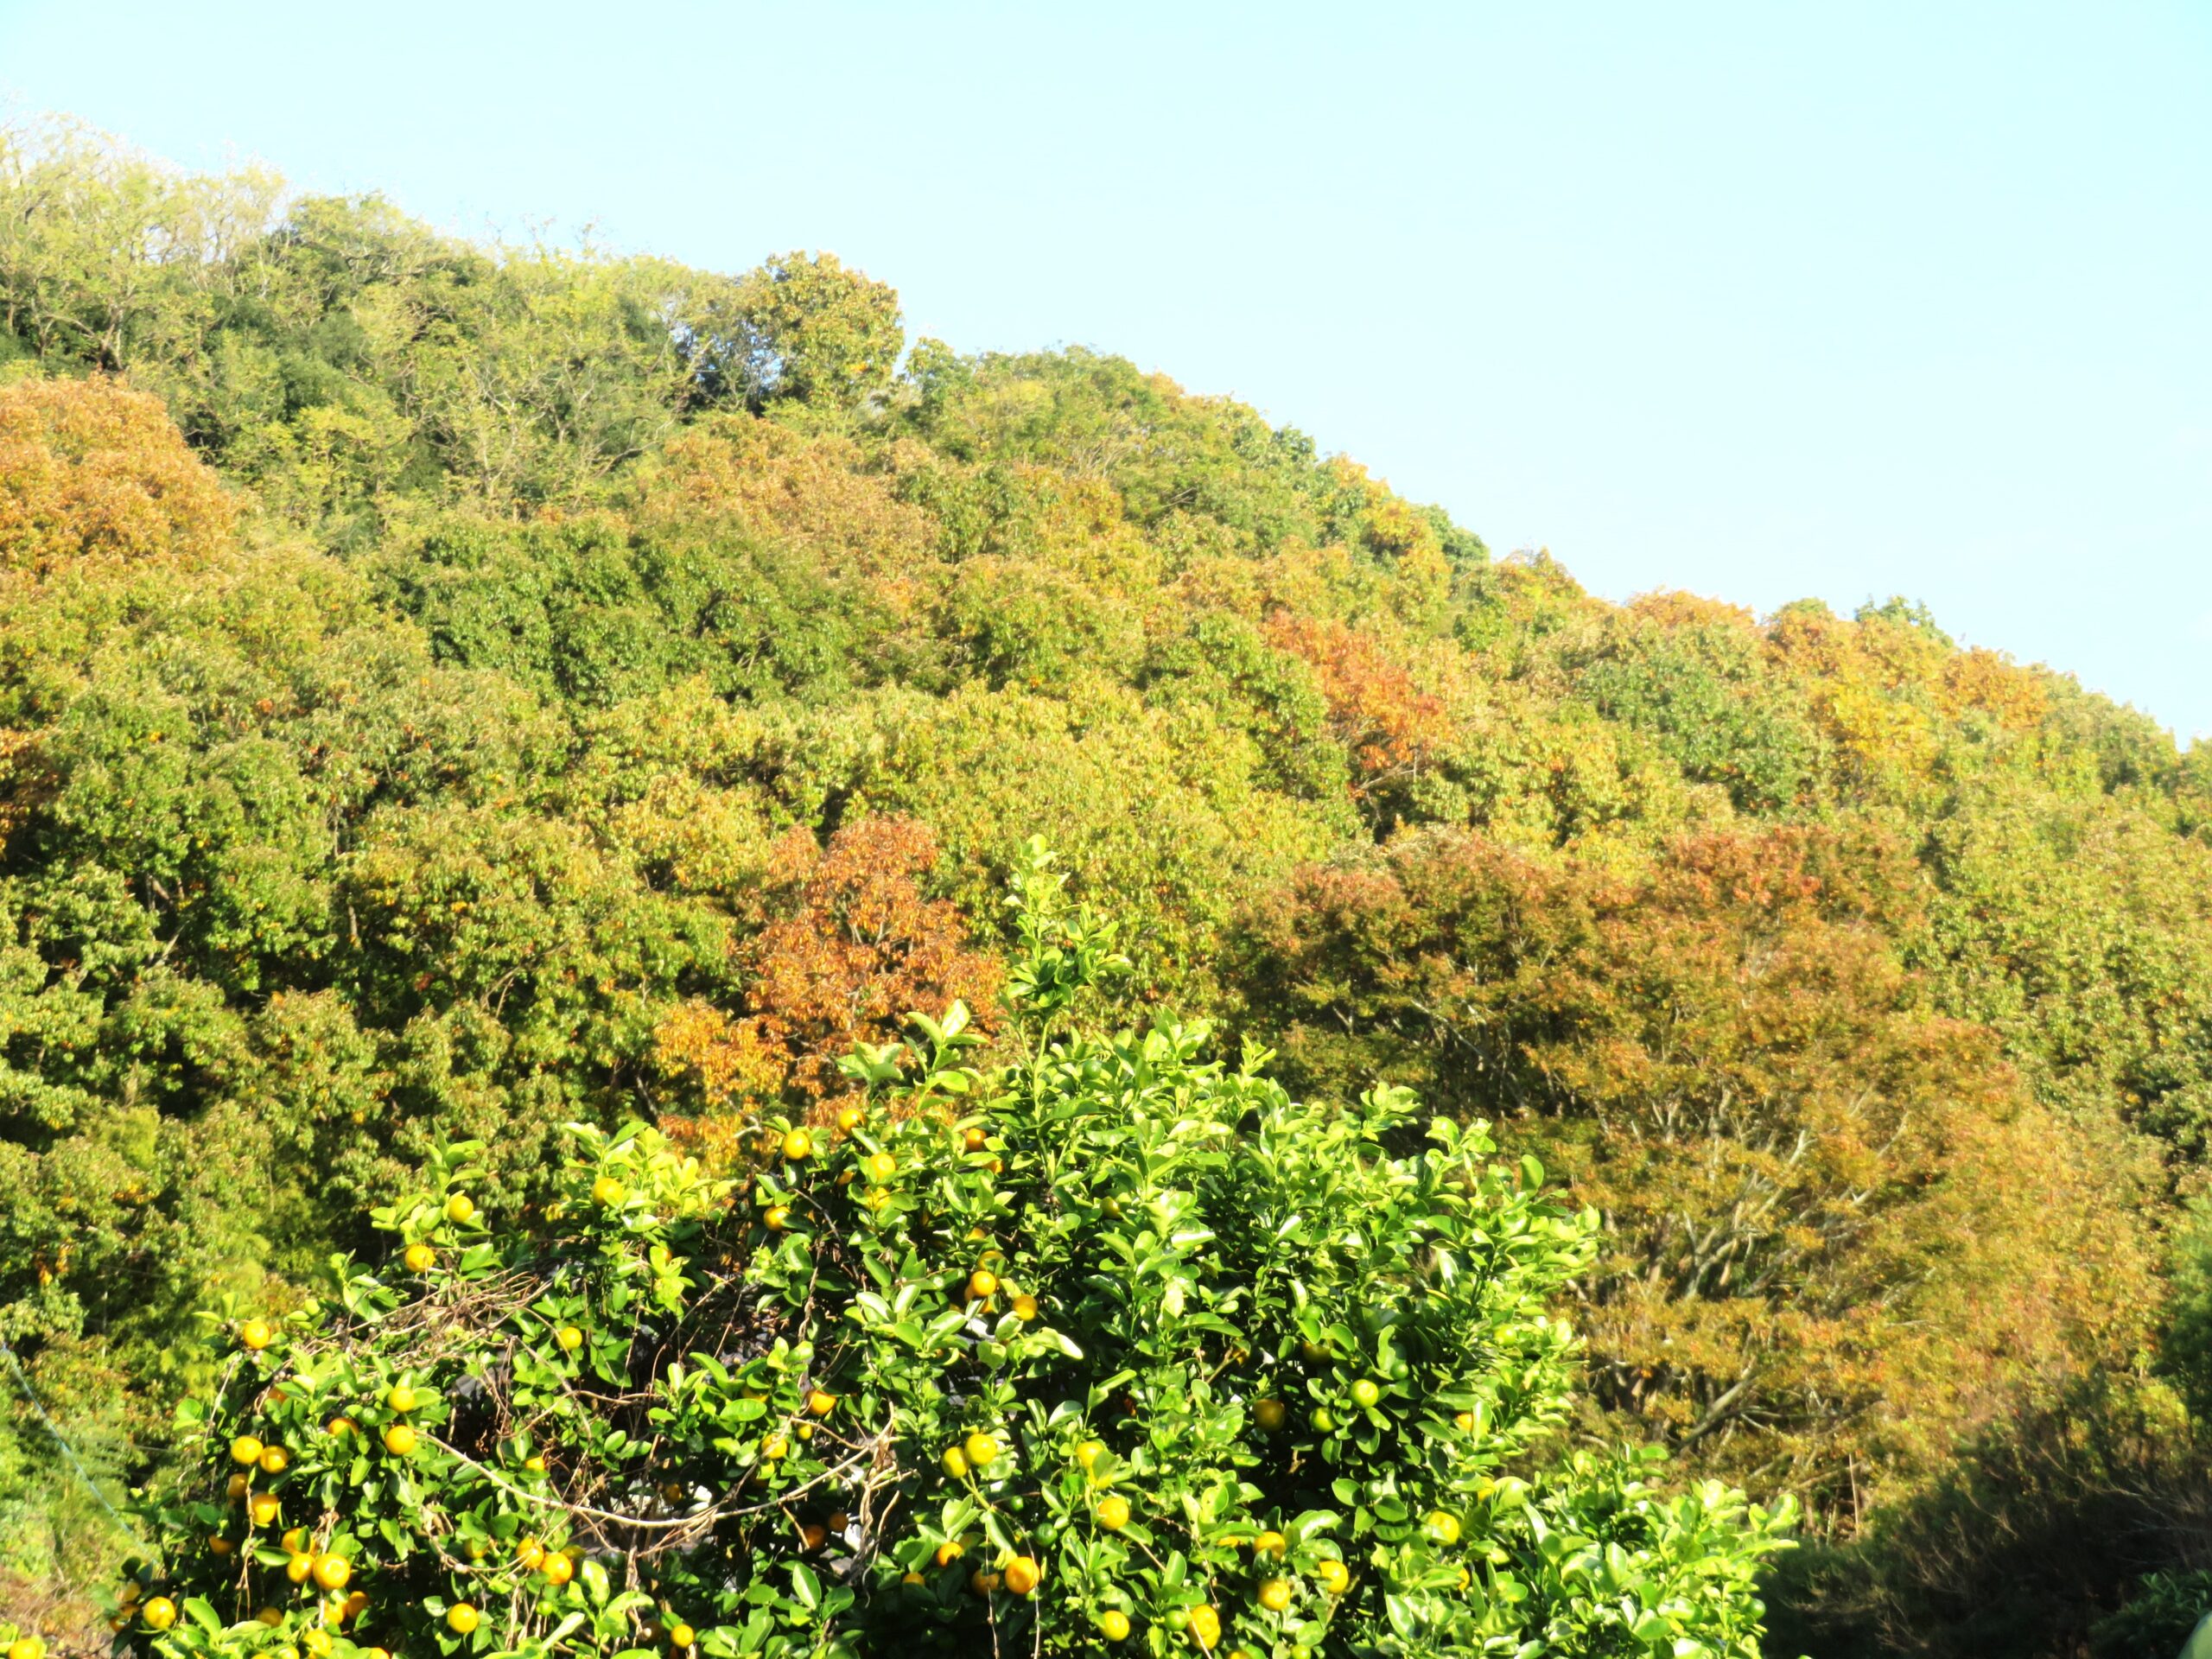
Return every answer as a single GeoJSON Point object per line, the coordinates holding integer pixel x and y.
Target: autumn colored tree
{"type": "Point", "coordinates": [1839, 1234]}
{"type": "Point", "coordinates": [1389, 726]}
{"type": "Point", "coordinates": [91, 470]}
{"type": "Point", "coordinates": [843, 947]}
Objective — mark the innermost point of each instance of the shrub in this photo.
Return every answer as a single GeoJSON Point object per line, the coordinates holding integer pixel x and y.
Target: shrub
{"type": "Point", "coordinates": [1112, 1344]}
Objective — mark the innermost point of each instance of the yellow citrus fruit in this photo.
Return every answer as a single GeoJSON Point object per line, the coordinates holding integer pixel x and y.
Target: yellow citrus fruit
{"type": "Point", "coordinates": [356, 1604]}
{"type": "Point", "coordinates": [569, 1337]}
{"type": "Point", "coordinates": [813, 1535]}
{"type": "Point", "coordinates": [534, 1464]}
{"type": "Point", "coordinates": [681, 1637]}
{"type": "Point", "coordinates": [159, 1613]}
{"type": "Point", "coordinates": [798, 1146]}
{"type": "Point", "coordinates": [949, 1552]}
{"type": "Point", "coordinates": [238, 1487]}
{"type": "Point", "coordinates": [1274, 1594]}
{"type": "Point", "coordinates": [1113, 1512]}
{"type": "Point", "coordinates": [775, 1448]}
{"type": "Point", "coordinates": [299, 1565]}
{"type": "Point", "coordinates": [338, 1426]}
{"type": "Point", "coordinates": [558, 1569]}
{"type": "Point", "coordinates": [1365, 1393]}
{"type": "Point", "coordinates": [1025, 1307]}
{"type": "Point", "coordinates": [982, 1450]}
{"type": "Point", "coordinates": [881, 1166]}
{"type": "Point", "coordinates": [1270, 1543]}
{"type": "Point", "coordinates": [28, 1647]}
{"type": "Point", "coordinates": [255, 1334]}
{"type": "Point", "coordinates": [399, 1440]}
{"type": "Point", "coordinates": [982, 1282]}
{"type": "Point", "coordinates": [839, 1520]}
{"type": "Point", "coordinates": [400, 1397]}
{"type": "Point", "coordinates": [819, 1403]}
{"type": "Point", "coordinates": [1443, 1527]}
{"type": "Point", "coordinates": [1114, 1624]}
{"type": "Point", "coordinates": [1464, 1421]}
{"type": "Point", "coordinates": [261, 1506]}
{"type": "Point", "coordinates": [956, 1462]}
{"type": "Point", "coordinates": [1270, 1415]}
{"type": "Point", "coordinates": [219, 1544]}
{"type": "Point", "coordinates": [460, 1618]}
{"type": "Point", "coordinates": [420, 1258]}
{"type": "Point", "coordinates": [460, 1209]}
{"type": "Point", "coordinates": [1090, 1452]}
{"type": "Point", "coordinates": [332, 1572]}
{"type": "Point", "coordinates": [269, 1616]}
{"type": "Point", "coordinates": [973, 1140]}
{"type": "Point", "coordinates": [1023, 1574]}
{"type": "Point", "coordinates": [983, 1583]}
{"type": "Point", "coordinates": [246, 1449]}
{"type": "Point", "coordinates": [274, 1459]}
{"type": "Point", "coordinates": [608, 1190]}
{"type": "Point", "coordinates": [317, 1643]}
{"type": "Point", "coordinates": [295, 1539]}
{"type": "Point", "coordinates": [777, 1219]}
{"type": "Point", "coordinates": [530, 1552]}
{"type": "Point", "coordinates": [851, 1118]}
{"type": "Point", "coordinates": [1206, 1627]}
{"type": "Point", "coordinates": [1335, 1577]}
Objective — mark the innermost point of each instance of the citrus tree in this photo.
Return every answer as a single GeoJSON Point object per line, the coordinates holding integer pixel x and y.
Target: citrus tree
{"type": "Point", "coordinates": [1111, 1348]}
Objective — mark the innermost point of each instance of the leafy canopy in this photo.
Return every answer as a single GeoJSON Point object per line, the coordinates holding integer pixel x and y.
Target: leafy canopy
{"type": "Point", "coordinates": [1111, 1344]}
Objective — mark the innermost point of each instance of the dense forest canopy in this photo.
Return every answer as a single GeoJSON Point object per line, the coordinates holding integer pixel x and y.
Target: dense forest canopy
{"type": "Point", "coordinates": [449, 691]}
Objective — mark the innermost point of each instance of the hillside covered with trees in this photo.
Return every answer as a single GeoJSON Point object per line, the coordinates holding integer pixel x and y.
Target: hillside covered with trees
{"type": "Point", "coordinates": [450, 692]}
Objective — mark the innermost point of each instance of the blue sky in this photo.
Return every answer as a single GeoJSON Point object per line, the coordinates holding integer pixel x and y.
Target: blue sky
{"type": "Point", "coordinates": [1762, 301]}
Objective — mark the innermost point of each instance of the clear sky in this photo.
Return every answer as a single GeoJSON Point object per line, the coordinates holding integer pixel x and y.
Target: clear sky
{"type": "Point", "coordinates": [1762, 301]}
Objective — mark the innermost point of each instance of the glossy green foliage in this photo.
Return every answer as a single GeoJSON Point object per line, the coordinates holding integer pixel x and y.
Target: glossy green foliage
{"type": "Point", "coordinates": [1114, 1344]}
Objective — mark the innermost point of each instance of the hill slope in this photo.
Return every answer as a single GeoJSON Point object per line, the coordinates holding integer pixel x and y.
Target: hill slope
{"type": "Point", "coordinates": [448, 690]}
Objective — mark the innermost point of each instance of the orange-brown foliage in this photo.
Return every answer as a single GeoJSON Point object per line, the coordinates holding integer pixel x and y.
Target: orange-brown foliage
{"type": "Point", "coordinates": [1385, 719]}
{"type": "Point", "coordinates": [93, 469]}
{"type": "Point", "coordinates": [846, 946]}
{"type": "Point", "coordinates": [1842, 1235]}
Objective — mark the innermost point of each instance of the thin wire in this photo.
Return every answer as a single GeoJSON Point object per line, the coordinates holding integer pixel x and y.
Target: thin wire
{"type": "Point", "coordinates": [62, 1440]}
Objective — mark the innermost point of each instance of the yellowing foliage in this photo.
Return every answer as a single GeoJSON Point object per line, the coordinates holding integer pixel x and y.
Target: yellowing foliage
{"type": "Point", "coordinates": [91, 470]}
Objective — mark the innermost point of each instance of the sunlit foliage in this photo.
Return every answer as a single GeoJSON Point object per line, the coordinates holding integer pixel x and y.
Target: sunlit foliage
{"type": "Point", "coordinates": [451, 691]}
